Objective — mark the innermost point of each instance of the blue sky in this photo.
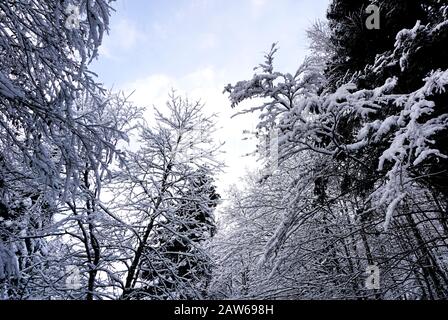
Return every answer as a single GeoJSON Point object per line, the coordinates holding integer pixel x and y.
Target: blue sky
{"type": "Point", "coordinates": [199, 46]}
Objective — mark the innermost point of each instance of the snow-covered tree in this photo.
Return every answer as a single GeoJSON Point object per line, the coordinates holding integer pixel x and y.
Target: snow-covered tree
{"type": "Point", "coordinates": [43, 72]}
{"type": "Point", "coordinates": [166, 197]}
{"type": "Point", "coordinates": [373, 133]}
{"type": "Point", "coordinates": [45, 131]}
{"type": "Point", "coordinates": [179, 267]}
{"type": "Point", "coordinates": [87, 219]}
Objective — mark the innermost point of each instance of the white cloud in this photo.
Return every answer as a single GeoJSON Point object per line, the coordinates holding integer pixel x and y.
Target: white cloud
{"type": "Point", "coordinates": [258, 3]}
{"type": "Point", "coordinates": [205, 84]}
{"type": "Point", "coordinates": [127, 34]}
{"type": "Point", "coordinates": [150, 91]}
{"type": "Point", "coordinates": [258, 6]}
{"type": "Point", "coordinates": [159, 30]}
{"type": "Point", "coordinates": [124, 36]}
{"type": "Point", "coordinates": [178, 30]}
{"type": "Point", "coordinates": [208, 41]}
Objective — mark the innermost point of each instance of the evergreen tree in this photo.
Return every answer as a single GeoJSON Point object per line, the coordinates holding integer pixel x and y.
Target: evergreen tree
{"type": "Point", "coordinates": [374, 129]}
{"type": "Point", "coordinates": [409, 46]}
{"type": "Point", "coordinates": [355, 45]}
{"type": "Point", "coordinates": [181, 268]}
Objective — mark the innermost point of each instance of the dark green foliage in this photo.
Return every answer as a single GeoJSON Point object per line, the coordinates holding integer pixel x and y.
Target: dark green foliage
{"type": "Point", "coordinates": [180, 268]}
{"type": "Point", "coordinates": [370, 57]}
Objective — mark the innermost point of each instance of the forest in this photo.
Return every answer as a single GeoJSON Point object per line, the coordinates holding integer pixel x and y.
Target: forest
{"type": "Point", "coordinates": [104, 199]}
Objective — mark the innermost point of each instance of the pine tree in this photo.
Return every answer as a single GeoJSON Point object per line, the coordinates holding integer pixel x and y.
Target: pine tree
{"type": "Point", "coordinates": [374, 129]}
{"type": "Point", "coordinates": [355, 45]}
{"type": "Point", "coordinates": [409, 46]}
{"type": "Point", "coordinates": [181, 268]}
